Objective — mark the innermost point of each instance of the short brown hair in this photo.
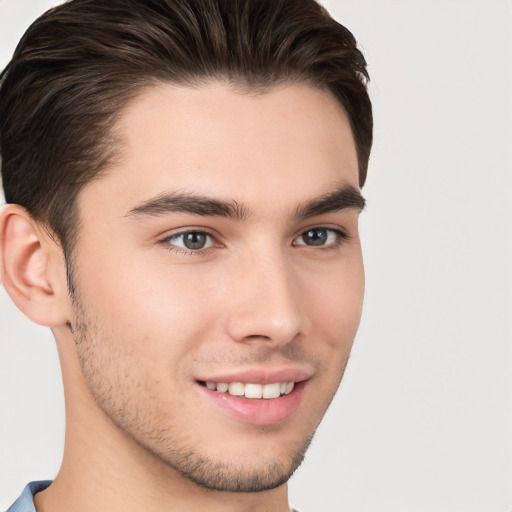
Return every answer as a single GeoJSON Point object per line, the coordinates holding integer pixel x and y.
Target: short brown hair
{"type": "Point", "coordinates": [79, 64]}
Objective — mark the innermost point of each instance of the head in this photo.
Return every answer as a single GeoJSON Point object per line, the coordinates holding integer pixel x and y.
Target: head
{"type": "Point", "coordinates": [198, 163]}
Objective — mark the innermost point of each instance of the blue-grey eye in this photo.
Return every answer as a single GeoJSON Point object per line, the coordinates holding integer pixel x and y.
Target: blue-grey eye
{"type": "Point", "coordinates": [192, 240]}
{"type": "Point", "coordinates": [316, 237]}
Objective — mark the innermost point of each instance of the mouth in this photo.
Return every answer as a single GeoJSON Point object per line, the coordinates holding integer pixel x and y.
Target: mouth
{"type": "Point", "coordinates": [260, 403]}
{"type": "Point", "coordinates": [253, 391]}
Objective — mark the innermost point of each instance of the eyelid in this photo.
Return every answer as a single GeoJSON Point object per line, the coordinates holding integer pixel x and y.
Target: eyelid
{"type": "Point", "coordinates": [166, 235]}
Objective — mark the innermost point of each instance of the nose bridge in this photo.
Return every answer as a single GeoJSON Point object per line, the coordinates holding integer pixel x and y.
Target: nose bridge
{"type": "Point", "coordinates": [266, 304]}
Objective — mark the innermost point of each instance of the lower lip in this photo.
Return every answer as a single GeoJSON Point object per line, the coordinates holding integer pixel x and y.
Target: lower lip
{"type": "Point", "coordinates": [259, 411]}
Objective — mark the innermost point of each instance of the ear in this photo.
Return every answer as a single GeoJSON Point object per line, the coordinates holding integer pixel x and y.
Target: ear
{"type": "Point", "coordinates": [32, 268]}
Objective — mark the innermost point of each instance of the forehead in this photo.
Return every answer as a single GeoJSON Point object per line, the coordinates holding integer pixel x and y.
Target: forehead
{"type": "Point", "coordinates": [288, 142]}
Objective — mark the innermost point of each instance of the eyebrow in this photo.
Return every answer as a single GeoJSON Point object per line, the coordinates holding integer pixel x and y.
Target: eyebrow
{"type": "Point", "coordinates": [187, 202]}
{"type": "Point", "coordinates": [342, 197]}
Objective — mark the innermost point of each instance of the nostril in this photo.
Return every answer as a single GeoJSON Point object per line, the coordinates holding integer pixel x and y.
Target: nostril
{"type": "Point", "coordinates": [257, 337]}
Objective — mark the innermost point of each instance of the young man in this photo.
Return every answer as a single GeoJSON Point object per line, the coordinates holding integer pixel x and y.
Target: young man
{"type": "Point", "coordinates": [182, 182]}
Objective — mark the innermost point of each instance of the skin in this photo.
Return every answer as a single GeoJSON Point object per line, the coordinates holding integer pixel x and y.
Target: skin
{"type": "Point", "coordinates": [150, 317]}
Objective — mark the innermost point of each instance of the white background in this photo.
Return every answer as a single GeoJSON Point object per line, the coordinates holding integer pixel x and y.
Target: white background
{"type": "Point", "coordinates": [423, 420]}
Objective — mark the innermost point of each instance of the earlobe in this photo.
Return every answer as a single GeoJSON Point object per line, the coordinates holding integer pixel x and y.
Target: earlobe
{"type": "Point", "coordinates": [25, 266]}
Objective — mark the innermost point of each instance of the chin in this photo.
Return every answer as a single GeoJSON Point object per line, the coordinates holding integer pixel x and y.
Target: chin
{"type": "Point", "coordinates": [261, 474]}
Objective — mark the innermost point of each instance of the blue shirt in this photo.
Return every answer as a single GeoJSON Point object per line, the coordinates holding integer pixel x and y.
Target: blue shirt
{"type": "Point", "coordinates": [25, 503]}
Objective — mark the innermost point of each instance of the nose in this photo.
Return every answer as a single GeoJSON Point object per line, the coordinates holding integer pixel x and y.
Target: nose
{"type": "Point", "coordinates": [265, 301]}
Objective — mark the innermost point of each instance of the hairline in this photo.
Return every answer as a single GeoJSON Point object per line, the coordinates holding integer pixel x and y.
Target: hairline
{"type": "Point", "coordinates": [114, 132]}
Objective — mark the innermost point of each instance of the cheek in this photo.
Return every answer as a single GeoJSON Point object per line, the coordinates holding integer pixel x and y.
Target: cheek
{"type": "Point", "coordinates": [336, 305]}
{"type": "Point", "coordinates": [154, 311]}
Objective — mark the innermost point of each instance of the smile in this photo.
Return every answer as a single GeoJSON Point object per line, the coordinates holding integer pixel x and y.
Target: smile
{"type": "Point", "coordinates": [253, 391]}
{"type": "Point", "coordinates": [256, 403]}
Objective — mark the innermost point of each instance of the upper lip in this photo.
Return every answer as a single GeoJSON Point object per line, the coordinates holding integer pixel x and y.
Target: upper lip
{"type": "Point", "coordinates": [261, 376]}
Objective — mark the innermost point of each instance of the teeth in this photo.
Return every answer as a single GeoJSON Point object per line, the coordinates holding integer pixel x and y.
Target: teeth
{"type": "Point", "coordinates": [271, 390]}
{"type": "Point", "coordinates": [267, 391]}
{"type": "Point", "coordinates": [253, 391]}
{"type": "Point", "coordinates": [236, 388]}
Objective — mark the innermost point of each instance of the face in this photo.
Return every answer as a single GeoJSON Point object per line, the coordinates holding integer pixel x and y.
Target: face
{"type": "Point", "coordinates": [219, 278]}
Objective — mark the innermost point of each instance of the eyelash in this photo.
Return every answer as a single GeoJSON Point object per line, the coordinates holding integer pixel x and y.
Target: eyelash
{"type": "Point", "coordinates": [341, 237]}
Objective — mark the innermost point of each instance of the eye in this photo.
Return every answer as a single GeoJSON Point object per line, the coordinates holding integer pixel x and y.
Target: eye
{"type": "Point", "coordinates": [316, 237]}
{"type": "Point", "coordinates": [191, 240]}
